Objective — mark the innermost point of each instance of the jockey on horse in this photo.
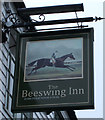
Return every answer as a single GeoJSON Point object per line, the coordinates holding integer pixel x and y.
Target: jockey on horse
{"type": "Point", "coordinates": [53, 58]}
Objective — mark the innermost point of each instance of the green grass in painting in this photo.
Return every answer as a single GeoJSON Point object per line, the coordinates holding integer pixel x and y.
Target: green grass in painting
{"type": "Point", "coordinates": [55, 73]}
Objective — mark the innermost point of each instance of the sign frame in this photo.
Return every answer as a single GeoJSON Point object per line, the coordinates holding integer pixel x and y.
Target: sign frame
{"type": "Point", "coordinates": [57, 93]}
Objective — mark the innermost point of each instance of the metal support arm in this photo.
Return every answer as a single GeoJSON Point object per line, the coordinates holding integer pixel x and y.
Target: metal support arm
{"type": "Point", "coordinates": [52, 22]}
{"type": "Point", "coordinates": [51, 9]}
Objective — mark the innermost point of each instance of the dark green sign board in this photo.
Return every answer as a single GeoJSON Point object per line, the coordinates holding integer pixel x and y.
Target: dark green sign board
{"type": "Point", "coordinates": [54, 71]}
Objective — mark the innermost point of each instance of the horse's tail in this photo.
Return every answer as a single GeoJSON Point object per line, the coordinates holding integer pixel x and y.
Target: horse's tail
{"type": "Point", "coordinates": [32, 63]}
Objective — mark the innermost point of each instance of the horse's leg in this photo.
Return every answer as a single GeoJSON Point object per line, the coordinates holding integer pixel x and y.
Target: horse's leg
{"type": "Point", "coordinates": [66, 66]}
{"type": "Point", "coordinates": [69, 68]}
{"type": "Point", "coordinates": [72, 67]}
{"type": "Point", "coordinates": [34, 69]}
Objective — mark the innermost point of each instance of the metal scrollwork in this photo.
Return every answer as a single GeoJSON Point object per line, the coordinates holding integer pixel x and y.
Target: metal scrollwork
{"type": "Point", "coordinates": [13, 19]}
{"type": "Point", "coordinates": [42, 17]}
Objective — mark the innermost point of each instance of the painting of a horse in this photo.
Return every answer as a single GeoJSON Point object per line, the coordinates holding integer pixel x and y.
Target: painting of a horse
{"type": "Point", "coordinates": [43, 62]}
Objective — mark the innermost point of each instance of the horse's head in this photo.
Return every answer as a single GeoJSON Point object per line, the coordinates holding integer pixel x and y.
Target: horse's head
{"type": "Point", "coordinates": [71, 56]}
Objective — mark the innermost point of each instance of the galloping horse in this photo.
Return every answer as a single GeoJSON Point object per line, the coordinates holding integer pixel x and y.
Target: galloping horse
{"type": "Point", "coordinates": [40, 63]}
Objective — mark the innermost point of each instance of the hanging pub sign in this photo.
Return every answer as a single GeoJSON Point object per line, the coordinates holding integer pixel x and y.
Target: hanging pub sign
{"type": "Point", "coordinates": [54, 71]}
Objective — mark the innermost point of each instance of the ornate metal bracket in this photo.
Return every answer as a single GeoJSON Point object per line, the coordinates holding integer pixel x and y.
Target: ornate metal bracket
{"type": "Point", "coordinates": [15, 18]}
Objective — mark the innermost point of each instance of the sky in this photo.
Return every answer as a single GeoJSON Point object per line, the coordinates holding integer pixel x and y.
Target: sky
{"type": "Point", "coordinates": [92, 8]}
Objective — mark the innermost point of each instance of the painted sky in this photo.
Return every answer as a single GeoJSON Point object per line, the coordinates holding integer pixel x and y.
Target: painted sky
{"type": "Point", "coordinates": [45, 49]}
